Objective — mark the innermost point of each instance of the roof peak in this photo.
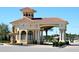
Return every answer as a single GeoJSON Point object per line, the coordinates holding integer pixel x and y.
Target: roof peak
{"type": "Point", "coordinates": [26, 9]}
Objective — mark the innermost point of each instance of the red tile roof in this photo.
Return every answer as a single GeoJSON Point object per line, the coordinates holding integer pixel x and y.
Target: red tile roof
{"type": "Point", "coordinates": [27, 9]}
{"type": "Point", "coordinates": [46, 20]}
{"type": "Point", "coordinates": [41, 20]}
{"type": "Point", "coordinates": [37, 20]}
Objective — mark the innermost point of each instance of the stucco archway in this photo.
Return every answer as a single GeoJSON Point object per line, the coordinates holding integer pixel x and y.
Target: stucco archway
{"type": "Point", "coordinates": [23, 35]}
{"type": "Point", "coordinates": [30, 37]}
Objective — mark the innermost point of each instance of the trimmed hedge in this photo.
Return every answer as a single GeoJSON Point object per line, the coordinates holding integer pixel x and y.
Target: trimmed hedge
{"type": "Point", "coordinates": [4, 41]}
{"type": "Point", "coordinates": [58, 44]}
{"type": "Point", "coordinates": [61, 43]}
{"type": "Point", "coordinates": [55, 44]}
{"type": "Point", "coordinates": [67, 42]}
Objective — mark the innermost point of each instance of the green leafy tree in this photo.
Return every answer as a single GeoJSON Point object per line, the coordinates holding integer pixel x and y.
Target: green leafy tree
{"type": "Point", "coordinates": [71, 37]}
{"type": "Point", "coordinates": [4, 30]}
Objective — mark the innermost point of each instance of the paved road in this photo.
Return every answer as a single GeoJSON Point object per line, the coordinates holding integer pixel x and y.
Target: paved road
{"type": "Point", "coordinates": [37, 48]}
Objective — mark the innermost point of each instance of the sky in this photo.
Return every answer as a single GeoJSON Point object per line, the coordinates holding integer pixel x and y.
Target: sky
{"type": "Point", "coordinates": [70, 14]}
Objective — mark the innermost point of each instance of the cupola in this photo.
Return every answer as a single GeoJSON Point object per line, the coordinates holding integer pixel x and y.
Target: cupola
{"type": "Point", "coordinates": [28, 12]}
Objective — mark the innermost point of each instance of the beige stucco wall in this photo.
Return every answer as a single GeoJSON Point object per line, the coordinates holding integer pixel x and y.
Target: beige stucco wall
{"type": "Point", "coordinates": [35, 26]}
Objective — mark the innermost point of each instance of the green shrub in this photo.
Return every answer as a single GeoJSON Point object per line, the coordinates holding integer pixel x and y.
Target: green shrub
{"type": "Point", "coordinates": [55, 44]}
{"type": "Point", "coordinates": [4, 41]}
{"type": "Point", "coordinates": [67, 42]}
{"type": "Point", "coordinates": [61, 43]}
{"type": "Point", "coordinates": [58, 44]}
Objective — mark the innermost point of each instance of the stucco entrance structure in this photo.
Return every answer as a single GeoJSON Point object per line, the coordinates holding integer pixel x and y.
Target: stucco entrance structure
{"type": "Point", "coordinates": [31, 29]}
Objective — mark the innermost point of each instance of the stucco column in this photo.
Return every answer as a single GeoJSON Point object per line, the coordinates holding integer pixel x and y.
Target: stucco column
{"type": "Point", "coordinates": [38, 36]}
{"type": "Point", "coordinates": [46, 33]}
{"type": "Point", "coordinates": [26, 41]}
{"type": "Point", "coordinates": [41, 35]}
{"type": "Point", "coordinates": [62, 35]}
{"type": "Point", "coordinates": [11, 39]}
{"type": "Point", "coordinates": [16, 37]}
{"type": "Point", "coordinates": [19, 36]}
{"type": "Point", "coordinates": [35, 34]}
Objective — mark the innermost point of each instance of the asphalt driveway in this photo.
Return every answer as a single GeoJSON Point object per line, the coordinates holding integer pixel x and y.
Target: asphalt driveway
{"type": "Point", "coordinates": [37, 48]}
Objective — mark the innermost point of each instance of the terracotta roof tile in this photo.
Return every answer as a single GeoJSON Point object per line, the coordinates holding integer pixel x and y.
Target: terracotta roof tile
{"type": "Point", "coordinates": [46, 20]}
{"type": "Point", "coordinates": [42, 20]}
{"type": "Point", "coordinates": [22, 20]}
{"type": "Point", "coordinates": [27, 9]}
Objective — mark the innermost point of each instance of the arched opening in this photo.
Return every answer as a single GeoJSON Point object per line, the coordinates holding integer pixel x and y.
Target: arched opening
{"type": "Point", "coordinates": [23, 35]}
{"type": "Point", "coordinates": [30, 36]}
